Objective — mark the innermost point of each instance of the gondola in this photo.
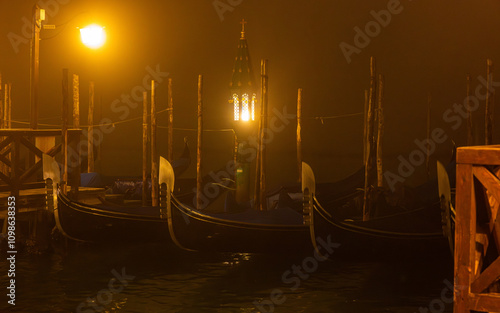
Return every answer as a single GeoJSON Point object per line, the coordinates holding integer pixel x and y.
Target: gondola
{"type": "Point", "coordinates": [399, 230]}
{"type": "Point", "coordinates": [242, 229]}
{"type": "Point", "coordinates": [174, 221]}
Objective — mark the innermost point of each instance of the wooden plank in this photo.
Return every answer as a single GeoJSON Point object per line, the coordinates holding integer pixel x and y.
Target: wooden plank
{"type": "Point", "coordinates": [479, 155]}
{"type": "Point", "coordinates": [492, 185]}
{"type": "Point", "coordinates": [28, 132]}
{"type": "Point", "coordinates": [488, 180]}
{"type": "Point", "coordinates": [484, 302]}
{"type": "Point", "coordinates": [28, 144]}
{"type": "Point", "coordinates": [465, 209]}
{"type": "Point", "coordinates": [487, 277]}
{"type": "Point", "coordinates": [482, 242]}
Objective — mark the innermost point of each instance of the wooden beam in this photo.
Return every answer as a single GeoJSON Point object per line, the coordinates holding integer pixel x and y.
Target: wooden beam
{"type": "Point", "coordinates": [484, 303]}
{"type": "Point", "coordinates": [465, 226]}
{"type": "Point", "coordinates": [487, 277]}
{"type": "Point", "coordinates": [479, 155]}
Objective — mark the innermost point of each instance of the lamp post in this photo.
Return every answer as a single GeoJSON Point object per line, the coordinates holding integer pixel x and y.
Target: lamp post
{"type": "Point", "coordinates": [38, 17]}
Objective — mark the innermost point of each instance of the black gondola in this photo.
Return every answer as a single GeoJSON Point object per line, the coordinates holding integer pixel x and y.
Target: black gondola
{"type": "Point", "coordinates": [398, 231]}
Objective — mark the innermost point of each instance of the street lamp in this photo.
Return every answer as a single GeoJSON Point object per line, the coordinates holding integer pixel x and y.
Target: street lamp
{"type": "Point", "coordinates": [93, 36]}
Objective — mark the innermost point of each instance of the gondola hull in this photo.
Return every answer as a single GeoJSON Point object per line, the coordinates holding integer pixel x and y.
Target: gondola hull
{"type": "Point", "coordinates": [100, 224]}
{"type": "Point", "coordinates": [245, 232]}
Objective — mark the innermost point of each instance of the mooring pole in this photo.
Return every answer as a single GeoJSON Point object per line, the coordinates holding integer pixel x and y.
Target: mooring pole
{"type": "Point", "coordinates": [90, 130]}
{"type": "Point", "coordinates": [488, 123]}
{"type": "Point", "coordinates": [76, 101]}
{"type": "Point", "coordinates": [470, 138]}
{"type": "Point", "coordinates": [262, 196]}
{"type": "Point", "coordinates": [370, 144]}
{"type": "Point", "coordinates": [73, 139]}
{"type": "Point", "coordinates": [380, 132]}
{"type": "Point", "coordinates": [428, 131]}
{"type": "Point", "coordinates": [170, 113]}
{"type": "Point", "coordinates": [199, 144]}
{"type": "Point", "coordinates": [64, 127]}
{"type": "Point", "coordinates": [35, 65]}
{"type": "Point", "coordinates": [299, 131]}
{"type": "Point", "coordinates": [154, 156]}
{"type": "Point", "coordinates": [144, 148]}
{"type": "Point", "coordinates": [365, 127]}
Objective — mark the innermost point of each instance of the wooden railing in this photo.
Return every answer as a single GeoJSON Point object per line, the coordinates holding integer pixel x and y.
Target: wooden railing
{"type": "Point", "coordinates": [477, 232]}
{"type": "Point", "coordinates": [17, 175]}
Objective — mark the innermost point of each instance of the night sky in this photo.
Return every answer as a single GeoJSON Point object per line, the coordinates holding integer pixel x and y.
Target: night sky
{"type": "Point", "coordinates": [426, 47]}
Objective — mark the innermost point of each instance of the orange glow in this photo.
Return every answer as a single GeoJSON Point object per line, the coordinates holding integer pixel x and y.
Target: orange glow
{"type": "Point", "coordinates": [93, 36]}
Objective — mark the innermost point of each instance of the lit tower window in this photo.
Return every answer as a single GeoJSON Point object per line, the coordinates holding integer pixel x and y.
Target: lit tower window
{"type": "Point", "coordinates": [245, 112]}
{"type": "Point", "coordinates": [236, 102]}
{"type": "Point", "coordinates": [254, 102]}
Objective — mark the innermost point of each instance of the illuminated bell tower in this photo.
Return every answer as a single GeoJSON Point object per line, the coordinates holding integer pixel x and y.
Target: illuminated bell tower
{"type": "Point", "coordinates": [243, 101]}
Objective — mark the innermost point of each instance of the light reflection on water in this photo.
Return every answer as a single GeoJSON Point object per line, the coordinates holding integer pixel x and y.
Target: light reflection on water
{"type": "Point", "coordinates": [179, 282]}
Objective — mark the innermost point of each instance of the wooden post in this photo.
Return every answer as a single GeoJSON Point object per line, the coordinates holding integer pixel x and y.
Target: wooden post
{"type": "Point", "coordinates": [144, 147]}
{"type": "Point", "coordinates": [380, 132]}
{"type": "Point", "coordinates": [35, 66]}
{"type": "Point", "coordinates": [299, 130]}
{"type": "Point", "coordinates": [262, 197]}
{"type": "Point", "coordinates": [488, 123]}
{"type": "Point", "coordinates": [1, 104]}
{"type": "Point", "coordinates": [9, 107]}
{"type": "Point", "coordinates": [170, 112]}
{"type": "Point", "coordinates": [76, 101]}
{"type": "Point", "coordinates": [6, 106]}
{"type": "Point", "coordinates": [90, 131]}
{"type": "Point", "coordinates": [154, 155]}
{"type": "Point", "coordinates": [365, 128]}
{"type": "Point", "coordinates": [64, 127]}
{"type": "Point", "coordinates": [370, 144]}
{"type": "Point", "coordinates": [428, 131]}
{"type": "Point", "coordinates": [470, 137]}
{"type": "Point", "coordinates": [199, 144]}
{"type": "Point", "coordinates": [8, 119]}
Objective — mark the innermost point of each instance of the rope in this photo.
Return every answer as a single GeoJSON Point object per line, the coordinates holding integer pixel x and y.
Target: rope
{"type": "Point", "coordinates": [323, 118]}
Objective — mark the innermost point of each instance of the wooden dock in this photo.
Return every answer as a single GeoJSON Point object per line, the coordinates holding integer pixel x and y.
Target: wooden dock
{"type": "Point", "coordinates": [477, 233]}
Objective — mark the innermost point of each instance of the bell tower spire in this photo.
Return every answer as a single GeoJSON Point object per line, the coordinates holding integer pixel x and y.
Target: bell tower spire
{"type": "Point", "coordinates": [243, 22]}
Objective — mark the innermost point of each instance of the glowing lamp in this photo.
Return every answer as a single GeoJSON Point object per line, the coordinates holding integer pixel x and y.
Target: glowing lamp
{"type": "Point", "coordinates": [93, 36]}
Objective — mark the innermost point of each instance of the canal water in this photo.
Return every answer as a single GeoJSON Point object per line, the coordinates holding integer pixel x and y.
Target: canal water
{"type": "Point", "coordinates": [152, 279]}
